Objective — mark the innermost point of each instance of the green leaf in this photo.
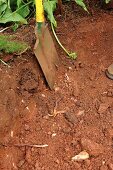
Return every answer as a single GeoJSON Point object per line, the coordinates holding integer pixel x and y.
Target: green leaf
{"type": "Point", "coordinates": [82, 4]}
{"type": "Point", "coordinates": [10, 16]}
{"type": "Point", "coordinates": [14, 10]}
{"type": "Point", "coordinates": [19, 2]}
{"type": "Point", "coordinates": [15, 26]}
{"type": "Point", "coordinates": [49, 7]}
{"type": "Point", "coordinates": [22, 9]}
{"type": "Point", "coordinates": [8, 44]}
{"type": "Point", "coordinates": [3, 6]}
{"type": "Point", "coordinates": [3, 1]}
{"type": "Point", "coordinates": [24, 12]}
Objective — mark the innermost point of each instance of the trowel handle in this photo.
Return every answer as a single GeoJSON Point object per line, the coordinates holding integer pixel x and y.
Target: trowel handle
{"type": "Point", "coordinates": [39, 11]}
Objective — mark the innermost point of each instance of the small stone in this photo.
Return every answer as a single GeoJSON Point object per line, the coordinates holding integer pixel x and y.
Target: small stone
{"type": "Point", "coordinates": [27, 128]}
{"type": "Point", "coordinates": [43, 95]}
{"type": "Point", "coordinates": [46, 117]}
{"type": "Point", "coordinates": [80, 112]}
{"type": "Point", "coordinates": [103, 162]}
{"type": "Point", "coordinates": [38, 128]}
{"type": "Point", "coordinates": [92, 147]}
{"type": "Point", "coordinates": [81, 65]}
{"type": "Point", "coordinates": [49, 133]}
{"type": "Point", "coordinates": [104, 93]}
{"type": "Point", "coordinates": [12, 133]}
{"type": "Point", "coordinates": [53, 135]}
{"type": "Point", "coordinates": [20, 164]}
{"type": "Point", "coordinates": [110, 93]}
{"type": "Point", "coordinates": [70, 68]}
{"type": "Point", "coordinates": [81, 156]}
{"type": "Point", "coordinates": [70, 117]}
{"type": "Point", "coordinates": [103, 107]}
{"type": "Point", "coordinates": [78, 103]}
{"type": "Point", "coordinates": [74, 142]}
{"type": "Point", "coordinates": [73, 99]}
{"type": "Point", "coordinates": [67, 130]}
{"type": "Point", "coordinates": [57, 89]}
{"type": "Point", "coordinates": [57, 161]}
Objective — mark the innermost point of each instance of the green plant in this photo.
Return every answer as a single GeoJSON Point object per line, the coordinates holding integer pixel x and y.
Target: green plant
{"type": "Point", "coordinates": [17, 11]}
{"type": "Point", "coordinates": [14, 11]}
{"type": "Point", "coordinates": [8, 44]}
{"type": "Point", "coordinates": [49, 7]}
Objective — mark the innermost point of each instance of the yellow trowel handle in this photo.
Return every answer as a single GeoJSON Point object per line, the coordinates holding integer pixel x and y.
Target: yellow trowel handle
{"type": "Point", "coordinates": [39, 11]}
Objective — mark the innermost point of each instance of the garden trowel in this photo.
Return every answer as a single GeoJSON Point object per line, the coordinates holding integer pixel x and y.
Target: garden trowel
{"type": "Point", "coordinates": [44, 48]}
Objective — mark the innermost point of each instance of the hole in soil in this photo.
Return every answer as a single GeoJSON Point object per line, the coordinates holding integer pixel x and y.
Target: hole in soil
{"type": "Point", "coordinates": [28, 81]}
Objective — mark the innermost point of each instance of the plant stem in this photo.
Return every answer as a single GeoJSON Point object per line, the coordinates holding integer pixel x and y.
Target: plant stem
{"type": "Point", "coordinates": [8, 3]}
{"type": "Point", "coordinates": [58, 40]}
{"type": "Point", "coordinates": [71, 55]}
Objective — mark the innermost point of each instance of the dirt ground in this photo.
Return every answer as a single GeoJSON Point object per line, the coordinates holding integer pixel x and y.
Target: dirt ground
{"type": "Point", "coordinates": [82, 100]}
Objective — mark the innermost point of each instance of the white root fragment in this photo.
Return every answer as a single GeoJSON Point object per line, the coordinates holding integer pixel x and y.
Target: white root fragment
{"type": "Point", "coordinates": [29, 145]}
{"type": "Point", "coordinates": [2, 30]}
